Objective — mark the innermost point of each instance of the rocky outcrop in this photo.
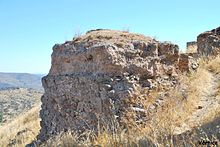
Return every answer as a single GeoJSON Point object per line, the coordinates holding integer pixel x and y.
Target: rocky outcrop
{"type": "Point", "coordinates": [94, 78]}
{"type": "Point", "coordinates": [209, 42]}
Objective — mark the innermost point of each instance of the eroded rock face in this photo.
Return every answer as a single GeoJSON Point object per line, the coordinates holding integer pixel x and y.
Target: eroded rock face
{"type": "Point", "coordinates": [93, 77]}
{"type": "Point", "coordinates": [209, 42]}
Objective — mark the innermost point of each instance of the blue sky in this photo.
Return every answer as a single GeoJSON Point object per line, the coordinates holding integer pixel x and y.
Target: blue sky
{"type": "Point", "coordinates": [29, 29]}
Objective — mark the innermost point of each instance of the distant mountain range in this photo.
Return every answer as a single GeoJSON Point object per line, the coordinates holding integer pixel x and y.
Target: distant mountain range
{"type": "Point", "coordinates": [22, 80]}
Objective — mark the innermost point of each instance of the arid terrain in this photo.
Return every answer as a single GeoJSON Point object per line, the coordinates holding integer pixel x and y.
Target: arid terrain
{"type": "Point", "coordinates": [19, 92]}
{"type": "Point", "coordinates": [19, 95]}
{"type": "Point", "coordinates": [115, 88]}
{"type": "Point", "coordinates": [15, 101]}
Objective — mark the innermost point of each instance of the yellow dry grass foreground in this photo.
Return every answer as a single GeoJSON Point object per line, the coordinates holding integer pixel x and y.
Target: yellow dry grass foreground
{"type": "Point", "coordinates": [180, 122]}
{"type": "Point", "coordinates": [21, 130]}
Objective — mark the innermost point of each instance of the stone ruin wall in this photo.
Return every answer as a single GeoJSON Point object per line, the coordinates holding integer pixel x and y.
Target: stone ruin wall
{"type": "Point", "coordinates": [209, 42]}
{"type": "Point", "coordinates": [93, 76]}
{"type": "Point", "coordinates": [191, 47]}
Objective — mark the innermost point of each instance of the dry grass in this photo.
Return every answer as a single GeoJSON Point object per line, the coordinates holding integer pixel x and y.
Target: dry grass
{"type": "Point", "coordinates": [213, 65]}
{"type": "Point", "coordinates": [21, 130]}
{"type": "Point", "coordinates": [119, 38]}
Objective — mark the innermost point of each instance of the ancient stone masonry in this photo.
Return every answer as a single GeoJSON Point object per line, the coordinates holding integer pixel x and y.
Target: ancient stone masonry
{"type": "Point", "coordinates": [93, 76]}
{"type": "Point", "coordinates": [191, 47]}
{"type": "Point", "coordinates": [209, 42]}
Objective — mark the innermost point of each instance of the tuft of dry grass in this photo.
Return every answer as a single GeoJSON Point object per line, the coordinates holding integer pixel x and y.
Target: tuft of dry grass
{"type": "Point", "coordinates": [213, 65]}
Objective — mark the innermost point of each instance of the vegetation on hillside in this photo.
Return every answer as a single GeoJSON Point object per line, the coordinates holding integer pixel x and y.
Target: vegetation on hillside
{"type": "Point", "coordinates": [15, 101]}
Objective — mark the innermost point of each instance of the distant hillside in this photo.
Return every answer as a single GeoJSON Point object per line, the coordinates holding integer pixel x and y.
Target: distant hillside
{"type": "Point", "coordinates": [15, 101]}
{"type": "Point", "coordinates": [24, 80]}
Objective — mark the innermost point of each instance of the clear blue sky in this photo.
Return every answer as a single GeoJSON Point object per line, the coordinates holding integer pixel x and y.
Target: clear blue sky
{"type": "Point", "coordinates": [29, 29]}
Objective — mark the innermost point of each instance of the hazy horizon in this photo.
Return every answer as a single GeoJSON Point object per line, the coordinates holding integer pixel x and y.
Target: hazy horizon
{"type": "Point", "coordinates": [29, 29]}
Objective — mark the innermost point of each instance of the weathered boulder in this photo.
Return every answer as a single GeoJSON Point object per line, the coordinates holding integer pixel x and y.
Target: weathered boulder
{"type": "Point", "coordinates": [93, 77]}
{"type": "Point", "coordinates": [209, 42]}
